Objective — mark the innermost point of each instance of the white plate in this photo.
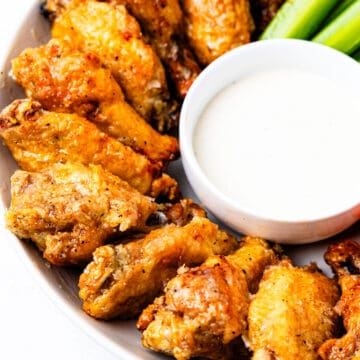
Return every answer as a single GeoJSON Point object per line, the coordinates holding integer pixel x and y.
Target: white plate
{"type": "Point", "coordinates": [120, 337]}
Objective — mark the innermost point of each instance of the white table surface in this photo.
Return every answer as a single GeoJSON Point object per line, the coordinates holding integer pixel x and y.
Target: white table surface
{"type": "Point", "coordinates": [31, 326]}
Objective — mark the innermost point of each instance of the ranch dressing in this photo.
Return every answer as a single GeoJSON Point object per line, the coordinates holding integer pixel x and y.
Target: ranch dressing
{"type": "Point", "coordinates": [284, 143]}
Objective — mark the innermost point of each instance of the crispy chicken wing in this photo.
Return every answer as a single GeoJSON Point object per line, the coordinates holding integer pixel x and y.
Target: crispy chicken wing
{"type": "Point", "coordinates": [163, 22]}
{"type": "Point", "coordinates": [339, 256]}
{"type": "Point", "coordinates": [123, 279]}
{"type": "Point", "coordinates": [205, 308]}
{"type": "Point", "coordinates": [69, 210]}
{"type": "Point", "coordinates": [64, 79]}
{"type": "Point", "coordinates": [292, 313]}
{"type": "Point", "coordinates": [115, 36]}
{"type": "Point", "coordinates": [38, 138]}
{"type": "Point", "coordinates": [214, 27]}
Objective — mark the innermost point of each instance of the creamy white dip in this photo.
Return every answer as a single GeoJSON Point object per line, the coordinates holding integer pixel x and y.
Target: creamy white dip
{"type": "Point", "coordinates": [283, 143]}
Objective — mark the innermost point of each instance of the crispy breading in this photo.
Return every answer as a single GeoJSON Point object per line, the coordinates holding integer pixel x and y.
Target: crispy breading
{"type": "Point", "coordinates": [69, 210]}
{"type": "Point", "coordinates": [204, 309]}
{"type": "Point", "coordinates": [292, 313]}
{"type": "Point", "coordinates": [38, 138]}
{"type": "Point", "coordinates": [342, 255]}
{"type": "Point", "coordinates": [115, 36]}
{"type": "Point", "coordinates": [121, 280]}
{"type": "Point", "coordinates": [214, 27]}
{"type": "Point", "coordinates": [64, 79]}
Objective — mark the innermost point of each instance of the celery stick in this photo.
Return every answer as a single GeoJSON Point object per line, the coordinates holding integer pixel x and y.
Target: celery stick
{"type": "Point", "coordinates": [337, 11]}
{"type": "Point", "coordinates": [298, 19]}
{"type": "Point", "coordinates": [343, 33]}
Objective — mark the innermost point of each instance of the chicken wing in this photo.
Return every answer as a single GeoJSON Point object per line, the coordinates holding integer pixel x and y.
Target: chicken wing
{"type": "Point", "coordinates": [68, 210]}
{"type": "Point", "coordinates": [38, 138]}
{"type": "Point", "coordinates": [115, 36]}
{"type": "Point", "coordinates": [204, 309]}
{"type": "Point", "coordinates": [64, 79]}
{"type": "Point", "coordinates": [163, 22]}
{"type": "Point", "coordinates": [340, 256]}
{"type": "Point", "coordinates": [292, 313]}
{"type": "Point", "coordinates": [123, 279]}
{"type": "Point", "coordinates": [214, 27]}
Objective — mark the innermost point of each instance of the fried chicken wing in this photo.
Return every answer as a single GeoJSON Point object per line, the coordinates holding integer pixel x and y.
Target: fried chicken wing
{"type": "Point", "coordinates": [339, 256]}
{"type": "Point", "coordinates": [38, 138]}
{"type": "Point", "coordinates": [68, 210]}
{"type": "Point", "coordinates": [123, 279]}
{"type": "Point", "coordinates": [292, 313]}
{"type": "Point", "coordinates": [214, 27]}
{"type": "Point", "coordinates": [163, 22]}
{"type": "Point", "coordinates": [204, 309]}
{"type": "Point", "coordinates": [115, 36]}
{"type": "Point", "coordinates": [64, 79]}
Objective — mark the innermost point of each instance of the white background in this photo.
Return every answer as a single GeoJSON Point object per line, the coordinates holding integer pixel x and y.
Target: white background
{"type": "Point", "coordinates": [31, 326]}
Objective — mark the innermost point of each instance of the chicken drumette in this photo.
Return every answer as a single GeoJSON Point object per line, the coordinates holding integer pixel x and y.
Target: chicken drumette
{"type": "Point", "coordinates": [38, 138]}
{"type": "Point", "coordinates": [339, 256]}
{"type": "Point", "coordinates": [69, 210]}
{"type": "Point", "coordinates": [123, 279]}
{"type": "Point", "coordinates": [67, 80]}
{"type": "Point", "coordinates": [204, 309]}
{"type": "Point", "coordinates": [292, 313]}
{"type": "Point", "coordinates": [214, 27]}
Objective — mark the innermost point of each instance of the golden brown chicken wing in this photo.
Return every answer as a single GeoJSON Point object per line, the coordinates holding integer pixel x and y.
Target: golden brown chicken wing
{"type": "Point", "coordinates": [214, 27]}
{"type": "Point", "coordinates": [163, 22]}
{"type": "Point", "coordinates": [163, 25]}
{"type": "Point", "coordinates": [64, 79]}
{"type": "Point", "coordinates": [339, 256]}
{"type": "Point", "coordinates": [292, 313]}
{"type": "Point", "coordinates": [205, 308]}
{"type": "Point", "coordinates": [115, 36]}
{"type": "Point", "coordinates": [38, 138]}
{"type": "Point", "coordinates": [69, 210]}
{"type": "Point", "coordinates": [123, 279]}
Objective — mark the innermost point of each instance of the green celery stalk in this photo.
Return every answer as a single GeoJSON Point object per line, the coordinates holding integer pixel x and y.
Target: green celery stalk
{"type": "Point", "coordinates": [337, 11]}
{"type": "Point", "coordinates": [343, 33]}
{"type": "Point", "coordinates": [298, 19]}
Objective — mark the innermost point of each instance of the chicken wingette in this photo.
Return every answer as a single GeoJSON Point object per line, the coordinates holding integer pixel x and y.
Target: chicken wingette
{"type": "Point", "coordinates": [116, 38]}
{"type": "Point", "coordinates": [204, 309]}
{"type": "Point", "coordinates": [38, 138]}
{"type": "Point", "coordinates": [122, 279]}
{"type": "Point", "coordinates": [342, 255]}
{"type": "Point", "coordinates": [214, 27]}
{"type": "Point", "coordinates": [64, 79]}
{"type": "Point", "coordinates": [292, 313]}
{"type": "Point", "coordinates": [68, 210]}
